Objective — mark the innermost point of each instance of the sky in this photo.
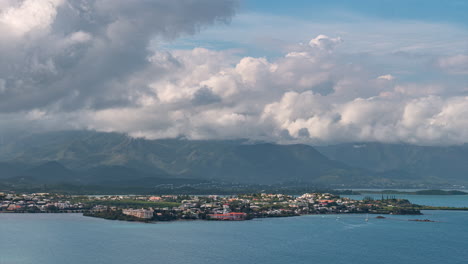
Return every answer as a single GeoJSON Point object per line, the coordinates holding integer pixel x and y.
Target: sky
{"type": "Point", "coordinates": [313, 72]}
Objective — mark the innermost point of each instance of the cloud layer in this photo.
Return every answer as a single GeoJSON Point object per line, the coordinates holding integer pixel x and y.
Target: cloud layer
{"type": "Point", "coordinates": [92, 64]}
{"type": "Point", "coordinates": [75, 54]}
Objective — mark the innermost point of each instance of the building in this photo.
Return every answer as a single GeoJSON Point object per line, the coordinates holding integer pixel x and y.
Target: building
{"type": "Point", "coordinates": [228, 216]}
{"type": "Point", "coordinates": [139, 213]}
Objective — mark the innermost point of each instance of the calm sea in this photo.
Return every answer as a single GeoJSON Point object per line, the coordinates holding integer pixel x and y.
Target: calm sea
{"type": "Point", "coordinates": [329, 239]}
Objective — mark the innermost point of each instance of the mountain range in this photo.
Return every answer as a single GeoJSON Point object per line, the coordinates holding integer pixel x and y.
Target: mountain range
{"type": "Point", "coordinates": [417, 164]}
{"type": "Point", "coordinates": [113, 159]}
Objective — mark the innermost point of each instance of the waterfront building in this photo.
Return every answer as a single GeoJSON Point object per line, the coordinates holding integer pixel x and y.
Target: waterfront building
{"type": "Point", "coordinates": [139, 213]}
{"type": "Point", "coordinates": [228, 216]}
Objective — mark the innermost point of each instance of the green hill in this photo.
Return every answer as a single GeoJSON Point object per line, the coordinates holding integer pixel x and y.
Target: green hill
{"type": "Point", "coordinates": [442, 164]}
{"type": "Point", "coordinates": [110, 158]}
{"type": "Point", "coordinates": [93, 158]}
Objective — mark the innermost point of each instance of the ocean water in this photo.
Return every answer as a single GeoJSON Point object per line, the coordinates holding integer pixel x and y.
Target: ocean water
{"type": "Point", "coordinates": [327, 239]}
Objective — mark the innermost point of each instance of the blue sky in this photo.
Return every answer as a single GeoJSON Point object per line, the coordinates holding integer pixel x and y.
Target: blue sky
{"type": "Point", "coordinates": [264, 28]}
{"type": "Point", "coordinates": [451, 11]}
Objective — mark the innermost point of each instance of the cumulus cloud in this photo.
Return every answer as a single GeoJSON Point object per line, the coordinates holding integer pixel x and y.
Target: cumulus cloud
{"type": "Point", "coordinates": [324, 42]}
{"type": "Point", "coordinates": [88, 65]}
{"type": "Point", "coordinates": [75, 54]}
{"type": "Point", "coordinates": [225, 96]}
{"type": "Point", "coordinates": [29, 15]}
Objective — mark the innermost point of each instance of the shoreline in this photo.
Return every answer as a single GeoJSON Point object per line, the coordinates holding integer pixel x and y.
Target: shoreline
{"type": "Point", "coordinates": [375, 216]}
{"type": "Point", "coordinates": [242, 207]}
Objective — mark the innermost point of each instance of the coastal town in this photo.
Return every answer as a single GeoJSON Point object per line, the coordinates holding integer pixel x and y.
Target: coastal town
{"type": "Point", "coordinates": [209, 207]}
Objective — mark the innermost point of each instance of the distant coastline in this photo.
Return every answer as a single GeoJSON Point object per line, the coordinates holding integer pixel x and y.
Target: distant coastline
{"type": "Point", "coordinates": [420, 192]}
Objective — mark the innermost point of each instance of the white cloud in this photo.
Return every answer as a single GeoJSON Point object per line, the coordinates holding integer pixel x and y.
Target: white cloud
{"type": "Point", "coordinates": [29, 15]}
{"type": "Point", "coordinates": [93, 66]}
{"type": "Point", "coordinates": [77, 54]}
{"type": "Point", "coordinates": [325, 42]}
{"type": "Point", "coordinates": [79, 37]}
{"type": "Point", "coordinates": [262, 99]}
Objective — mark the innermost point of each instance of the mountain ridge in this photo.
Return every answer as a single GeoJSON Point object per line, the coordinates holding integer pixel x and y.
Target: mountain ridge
{"type": "Point", "coordinates": [113, 158]}
{"type": "Point", "coordinates": [404, 160]}
{"type": "Point", "coordinates": [220, 160]}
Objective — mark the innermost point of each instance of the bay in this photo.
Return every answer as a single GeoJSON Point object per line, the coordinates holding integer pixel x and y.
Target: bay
{"type": "Point", "coordinates": [73, 239]}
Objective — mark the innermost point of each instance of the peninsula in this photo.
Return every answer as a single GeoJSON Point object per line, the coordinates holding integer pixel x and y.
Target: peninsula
{"type": "Point", "coordinates": [210, 207]}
